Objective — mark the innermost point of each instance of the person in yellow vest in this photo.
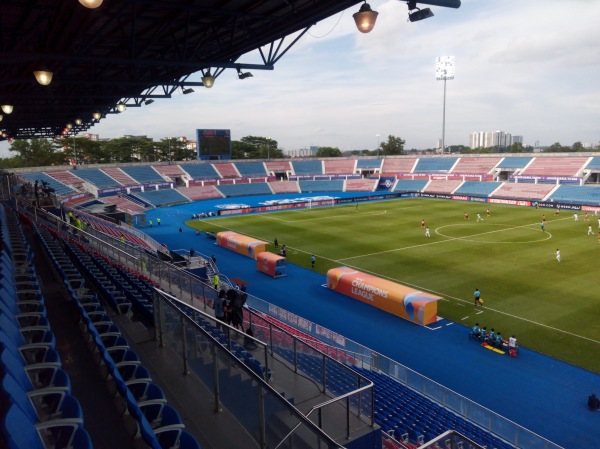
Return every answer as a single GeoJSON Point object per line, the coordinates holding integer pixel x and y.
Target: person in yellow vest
{"type": "Point", "coordinates": [216, 281]}
{"type": "Point", "coordinates": [158, 221]}
{"type": "Point", "coordinates": [150, 223]}
{"type": "Point", "coordinates": [70, 214]}
{"type": "Point", "coordinates": [122, 238]}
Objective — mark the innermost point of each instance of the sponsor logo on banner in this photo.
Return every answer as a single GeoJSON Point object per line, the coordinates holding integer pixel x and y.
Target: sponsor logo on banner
{"type": "Point", "coordinates": [460, 198]}
{"type": "Point", "coordinates": [232, 206]}
{"type": "Point", "coordinates": [590, 209]}
{"type": "Point", "coordinates": [477, 199]}
{"type": "Point", "coordinates": [511, 202]}
{"type": "Point", "coordinates": [73, 197]}
{"type": "Point", "coordinates": [366, 290]}
{"type": "Point", "coordinates": [234, 211]}
{"type": "Point", "coordinates": [386, 183]}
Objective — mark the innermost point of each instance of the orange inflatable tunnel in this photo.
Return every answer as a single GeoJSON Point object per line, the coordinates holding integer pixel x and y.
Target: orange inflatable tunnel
{"type": "Point", "coordinates": [405, 302]}
{"type": "Point", "coordinates": [242, 244]}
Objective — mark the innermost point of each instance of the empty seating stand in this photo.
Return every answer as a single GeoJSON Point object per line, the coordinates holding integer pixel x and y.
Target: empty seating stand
{"type": "Point", "coordinates": [410, 185]}
{"type": "Point", "coordinates": [434, 165]}
{"type": "Point", "coordinates": [335, 185]}
{"type": "Point", "coordinates": [143, 174]}
{"type": "Point", "coordinates": [200, 171]}
{"type": "Point", "coordinates": [312, 167]}
{"type": "Point", "coordinates": [97, 178]}
{"type": "Point", "coordinates": [161, 198]}
{"type": "Point", "coordinates": [250, 169]}
{"type": "Point", "coordinates": [143, 403]}
{"type": "Point", "coordinates": [476, 188]}
{"type": "Point", "coordinates": [60, 189]}
{"type": "Point", "coordinates": [255, 188]}
{"type": "Point", "coordinates": [38, 409]}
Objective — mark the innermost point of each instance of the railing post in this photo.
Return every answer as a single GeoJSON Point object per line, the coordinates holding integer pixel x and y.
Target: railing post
{"type": "Point", "coordinates": [216, 378]}
{"type": "Point", "coordinates": [184, 344]}
{"type": "Point", "coordinates": [262, 422]}
{"type": "Point", "coordinates": [158, 319]}
{"type": "Point", "coordinates": [324, 364]}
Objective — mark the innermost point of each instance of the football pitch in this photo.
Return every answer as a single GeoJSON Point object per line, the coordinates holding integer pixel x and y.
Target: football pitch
{"type": "Point", "coordinates": [551, 306]}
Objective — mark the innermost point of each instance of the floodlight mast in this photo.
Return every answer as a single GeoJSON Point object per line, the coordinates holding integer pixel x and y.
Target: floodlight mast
{"type": "Point", "coordinates": [444, 70]}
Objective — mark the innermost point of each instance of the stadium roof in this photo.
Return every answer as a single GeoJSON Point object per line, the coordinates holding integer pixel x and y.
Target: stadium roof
{"type": "Point", "coordinates": [132, 51]}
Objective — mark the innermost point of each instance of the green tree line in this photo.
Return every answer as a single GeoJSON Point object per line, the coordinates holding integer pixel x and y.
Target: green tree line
{"type": "Point", "coordinates": [80, 150]}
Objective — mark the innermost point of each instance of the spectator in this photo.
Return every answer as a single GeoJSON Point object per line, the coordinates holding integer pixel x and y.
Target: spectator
{"type": "Point", "coordinates": [512, 344]}
{"type": "Point", "coordinates": [593, 403]}
{"type": "Point", "coordinates": [180, 230]}
{"type": "Point", "coordinates": [192, 252]}
{"type": "Point", "coordinates": [499, 340]}
{"type": "Point", "coordinates": [214, 259]}
{"type": "Point", "coordinates": [220, 304]}
{"type": "Point", "coordinates": [276, 243]}
{"type": "Point", "coordinates": [491, 338]}
{"type": "Point", "coordinates": [476, 332]}
{"type": "Point", "coordinates": [484, 333]}
{"type": "Point", "coordinates": [312, 261]}
{"type": "Point", "coordinates": [249, 343]}
{"type": "Point", "coordinates": [238, 299]}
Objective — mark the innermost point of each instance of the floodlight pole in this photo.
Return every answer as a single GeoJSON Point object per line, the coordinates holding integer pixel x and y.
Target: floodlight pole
{"type": "Point", "coordinates": [444, 70]}
{"type": "Point", "coordinates": [444, 118]}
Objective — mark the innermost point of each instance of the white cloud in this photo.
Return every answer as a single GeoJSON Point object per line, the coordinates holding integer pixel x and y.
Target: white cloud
{"type": "Point", "coordinates": [528, 68]}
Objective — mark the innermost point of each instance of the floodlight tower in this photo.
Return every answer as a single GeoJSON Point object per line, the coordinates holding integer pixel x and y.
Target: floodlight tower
{"type": "Point", "coordinates": [444, 70]}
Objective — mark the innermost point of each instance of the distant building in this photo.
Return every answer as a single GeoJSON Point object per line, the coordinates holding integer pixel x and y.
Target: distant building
{"type": "Point", "coordinates": [94, 137]}
{"type": "Point", "coordinates": [488, 139]}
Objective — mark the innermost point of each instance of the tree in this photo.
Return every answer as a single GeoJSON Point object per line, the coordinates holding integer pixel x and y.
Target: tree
{"type": "Point", "coordinates": [393, 146]}
{"type": "Point", "coordinates": [517, 147]}
{"type": "Point", "coordinates": [577, 146]}
{"type": "Point", "coordinates": [329, 152]}
{"type": "Point", "coordinates": [36, 153]}
{"type": "Point", "coordinates": [173, 149]}
{"type": "Point", "coordinates": [557, 148]}
{"type": "Point", "coordinates": [260, 148]}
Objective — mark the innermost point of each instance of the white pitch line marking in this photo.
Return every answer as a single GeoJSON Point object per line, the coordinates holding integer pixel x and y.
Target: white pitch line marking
{"type": "Point", "coordinates": [448, 239]}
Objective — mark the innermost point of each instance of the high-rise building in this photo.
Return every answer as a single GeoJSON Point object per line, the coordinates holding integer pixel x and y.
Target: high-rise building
{"type": "Point", "coordinates": [488, 139]}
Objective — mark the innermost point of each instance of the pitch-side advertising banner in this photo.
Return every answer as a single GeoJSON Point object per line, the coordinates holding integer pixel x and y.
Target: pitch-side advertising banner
{"type": "Point", "coordinates": [405, 302]}
{"type": "Point", "coordinates": [241, 244]}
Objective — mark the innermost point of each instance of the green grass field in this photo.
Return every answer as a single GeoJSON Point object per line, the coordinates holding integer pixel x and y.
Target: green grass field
{"type": "Point", "coordinates": [552, 307]}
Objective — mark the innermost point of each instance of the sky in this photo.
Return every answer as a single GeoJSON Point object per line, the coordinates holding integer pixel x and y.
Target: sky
{"type": "Point", "coordinates": [529, 68]}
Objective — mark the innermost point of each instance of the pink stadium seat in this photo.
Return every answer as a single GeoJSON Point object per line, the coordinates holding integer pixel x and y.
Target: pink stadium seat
{"type": "Point", "coordinates": [227, 170]}
{"type": "Point", "coordinates": [124, 204]}
{"type": "Point", "coordinates": [361, 185]}
{"type": "Point", "coordinates": [172, 171]}
{"type": "Point", "coordinates": [443, 185]}
{"type": "Point", "coordinates": [66, 177]}
{"type": "Point", "coordinates": [199, 193]}
{"type": "Point", "coordinates": [523, 190]}
{"type": "Point", "coordinates": [285, 186]}
{"type": "Point", "coordinates": [555, 166]}
{"type": "Point", "coordinates": [279, 167]}
{"type": "Point", "coordinates": [120, 176]}
{"type": "Point", "coordinates": [398, 165]}
{"type": "Point", "coordinates": [339, 166]}
{"type": "Point", "coordinates": [475, 165]}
